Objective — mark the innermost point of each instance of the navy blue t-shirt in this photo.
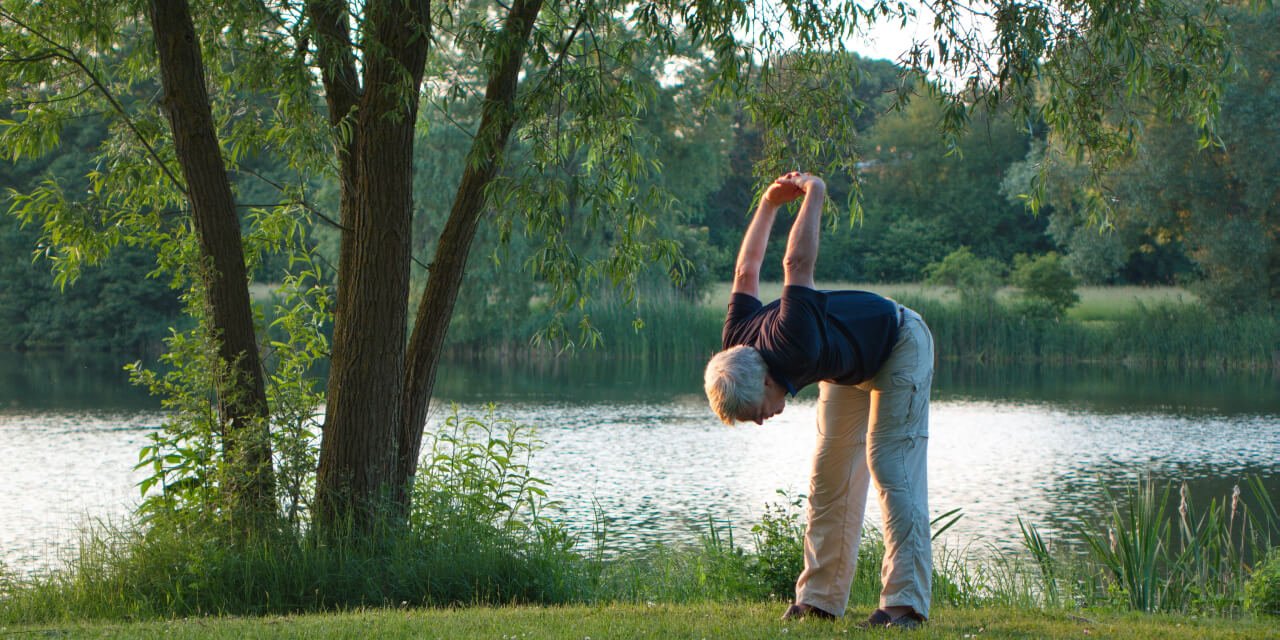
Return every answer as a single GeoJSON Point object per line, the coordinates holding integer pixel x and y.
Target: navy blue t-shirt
{"type": "Point", "coordinates": [809, 335]}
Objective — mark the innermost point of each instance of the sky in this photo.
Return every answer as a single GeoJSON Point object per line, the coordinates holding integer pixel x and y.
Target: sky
{"type": "Point", "coordinates": [888, 40]}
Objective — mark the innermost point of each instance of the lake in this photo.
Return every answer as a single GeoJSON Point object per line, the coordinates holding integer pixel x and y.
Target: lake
{"type": "Point", "coordinates": [636, 443]}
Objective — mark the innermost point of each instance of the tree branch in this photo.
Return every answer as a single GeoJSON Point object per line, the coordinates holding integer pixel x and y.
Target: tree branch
{"type": "Point", "coordinates": [70, 56]}
{"type": "Point", "coordinates": [336, 58]}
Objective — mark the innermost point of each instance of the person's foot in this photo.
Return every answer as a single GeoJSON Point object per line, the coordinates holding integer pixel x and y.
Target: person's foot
{"type": "Point", "coordinates": [877, 619]}
{"type": "Point", "coordinates": [906, 621]}
{"type": "Point", "coordinates": [800, 611]}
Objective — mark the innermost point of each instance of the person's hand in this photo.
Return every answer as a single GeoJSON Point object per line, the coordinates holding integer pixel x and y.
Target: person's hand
{"type": "Point", "coordinates": [805, 182]}
{"type": "Point", "coordinates": [791, 186]}
{"type": "Point", "coordinates": [783, 190]}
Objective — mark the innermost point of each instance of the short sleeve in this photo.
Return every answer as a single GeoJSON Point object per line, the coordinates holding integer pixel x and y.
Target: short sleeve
{"type": "Point", "coordinates": [742, 307]}
{"type": "Point", "coordinates": [802, 312]}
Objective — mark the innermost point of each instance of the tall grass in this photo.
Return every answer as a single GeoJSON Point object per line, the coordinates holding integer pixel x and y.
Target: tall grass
{"type": "Point", "coordinates": [1146, 558]}
{"type": "Point", "coordinates": [1149, 327]}
{"type": "Point", "coordinates": [1166, 335]}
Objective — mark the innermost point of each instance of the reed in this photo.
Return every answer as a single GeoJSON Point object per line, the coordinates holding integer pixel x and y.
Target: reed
{"type": "Point", "coordinates": [1176, 336]}
{"type": "Point", "coordinates": [1157, 328]}
{"type": "Point", "coordinates": [1148, 558]}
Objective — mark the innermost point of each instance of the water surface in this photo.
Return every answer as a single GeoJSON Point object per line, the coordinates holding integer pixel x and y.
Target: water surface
{"type": "Point", "coordinates": [636, 443]}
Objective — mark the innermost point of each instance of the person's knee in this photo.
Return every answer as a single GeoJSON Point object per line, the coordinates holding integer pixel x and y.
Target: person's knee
{"type": "Point", "coordinates": [887, 461]}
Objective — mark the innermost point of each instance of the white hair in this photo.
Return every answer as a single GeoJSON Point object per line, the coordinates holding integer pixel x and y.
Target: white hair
{"type": "Point", "coordinates": [734, 382]}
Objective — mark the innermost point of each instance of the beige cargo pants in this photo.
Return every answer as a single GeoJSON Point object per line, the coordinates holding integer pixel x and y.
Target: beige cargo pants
{"type": "Point", "coordinates": [877, 430]}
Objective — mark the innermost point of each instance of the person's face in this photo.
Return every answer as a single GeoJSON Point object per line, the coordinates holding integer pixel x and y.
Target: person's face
{"type": "Point", "coordinates": [773, 402]}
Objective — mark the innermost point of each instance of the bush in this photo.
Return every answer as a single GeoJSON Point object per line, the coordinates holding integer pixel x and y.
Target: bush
{"type": "Point", "coordinates": [1262, 591]}
{"type": "Point", "coordinates": [780, 545]}
{"type": "Point", "coordinates": [1048, 288]}
{"type": "Point", "coordinates": [976, 279]}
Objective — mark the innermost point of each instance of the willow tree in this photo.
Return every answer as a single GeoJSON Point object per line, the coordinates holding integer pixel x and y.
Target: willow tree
{"type": "Point", "coordinates": [333, 88]}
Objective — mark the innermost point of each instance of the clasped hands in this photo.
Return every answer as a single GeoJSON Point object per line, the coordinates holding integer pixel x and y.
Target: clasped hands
{"type": "Point", "coordinates": [793, 185]}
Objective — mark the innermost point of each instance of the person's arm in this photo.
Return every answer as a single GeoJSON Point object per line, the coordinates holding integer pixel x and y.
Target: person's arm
{"type": "Point", "coordinates": [802, 245]}
{"type": "Point", "coordinates": [746, 273]}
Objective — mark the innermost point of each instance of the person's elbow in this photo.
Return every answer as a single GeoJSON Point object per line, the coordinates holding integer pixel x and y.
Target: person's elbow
{"type": "Point", "coordinates": [799, 267]}
{"type": "Point", "coordinates": [746, 272]}
{"type": "Point", "coordinates": [799, 263]}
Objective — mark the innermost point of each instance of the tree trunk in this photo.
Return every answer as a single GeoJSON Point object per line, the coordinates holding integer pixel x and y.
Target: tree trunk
{"type": "Point", "coordinates": [242, 400]}
{"type": "Point", "coordinates": [356, 477]}
{"type": "Point", "coordinates": [436, 307]}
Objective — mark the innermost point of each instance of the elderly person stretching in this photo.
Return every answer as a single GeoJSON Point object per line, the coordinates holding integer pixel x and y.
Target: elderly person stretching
{"type": "Point", "coordinates": [873, 361]}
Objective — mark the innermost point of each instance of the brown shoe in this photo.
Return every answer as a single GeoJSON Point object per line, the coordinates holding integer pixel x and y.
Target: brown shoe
{"type": "Point", "coordinates": [878, 619]}
{"type": "Point", "coordinates": [802, 611]}
{"type": "Point", "coordinates": [906, 621]}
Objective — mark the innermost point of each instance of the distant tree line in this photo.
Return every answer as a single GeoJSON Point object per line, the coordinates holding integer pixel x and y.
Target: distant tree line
{"type": "Point", "coordinates": [1182, 213]}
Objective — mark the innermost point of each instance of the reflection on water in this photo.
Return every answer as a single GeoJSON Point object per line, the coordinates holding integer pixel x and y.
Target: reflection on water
{"type": "Point", "coordinates": [68, 381]}
{"type": "Point", "coordinates": [638, 441]}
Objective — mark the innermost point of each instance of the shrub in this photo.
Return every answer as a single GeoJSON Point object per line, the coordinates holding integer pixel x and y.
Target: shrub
{"type": "Point", "coordinates": [1048, 288]}
{"type": "Point", "coordinates": [1262, 591]}
{"type": "Point", "coordinates": [976, 279]}
{"type": "Point", "coordinates": [780, 545]}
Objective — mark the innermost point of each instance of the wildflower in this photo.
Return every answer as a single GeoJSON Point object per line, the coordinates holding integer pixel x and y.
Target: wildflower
{"type": "Point", "coordinates": [1182, 503]}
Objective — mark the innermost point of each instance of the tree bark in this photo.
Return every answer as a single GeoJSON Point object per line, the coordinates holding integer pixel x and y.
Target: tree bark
{"type": "Point", "coordinates": [242, 400]}
{"type": "Point", "coordinates": [356, 477]}
{"type": "Point", "coordinates": [436, 307]}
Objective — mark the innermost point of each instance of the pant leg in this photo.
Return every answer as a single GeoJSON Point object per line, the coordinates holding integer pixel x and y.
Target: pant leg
{"type": "Point", "coordinates": [837, 498]}
{"type": "Point", "coordinates": [897, 447]}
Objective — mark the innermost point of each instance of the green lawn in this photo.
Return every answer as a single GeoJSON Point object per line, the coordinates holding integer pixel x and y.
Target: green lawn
{"type": "Point", "coordinates": [710, 621]}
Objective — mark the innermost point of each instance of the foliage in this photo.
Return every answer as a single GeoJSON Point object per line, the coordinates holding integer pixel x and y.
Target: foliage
{"type": "Point", "coordinates": [779, 539]}
{"type": "Point", "coordinates": [184, 462]}
{"type": "Point", "coordinates": [976, 279]}
{"type": "Point", "coordinates": [1044, 560]}
{"type": "Point", "coordinates": [1134, 548]}
{"type": "Point", "coordinates": [1262, 591]}
{"type": "Point", "coordinates": [952, 188]}
{"type": "Point", "coordinates": [1179, 335]}
{"type": "Point", "coordinates": [476, 477]}
{"type": "Point", "coordinates": [1196, 561]}
{"type": "Point", "coordinates": [118, 306]}
{"type": "Point", "coordinates": [1201, 211]}
{"type": "Point", "coordinates": [1048, 288]}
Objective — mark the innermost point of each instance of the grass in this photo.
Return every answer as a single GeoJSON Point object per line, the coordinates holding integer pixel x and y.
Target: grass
{"type": "Point", "coordinates": [1114, 303]}
{"type": "Point", "coordinates": [660, 621]}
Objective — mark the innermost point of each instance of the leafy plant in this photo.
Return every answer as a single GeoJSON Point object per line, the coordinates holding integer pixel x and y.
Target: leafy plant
{"type": "Point", "coordinates": [185, 458]}
{"type": "Point", "coordinates": [1262, 591]}
{"type": "Point", "coordinates": [1045, 562]}
{"type": "Point", "coordinates": [1048, 288]}
{"type": "Point", "coordinates": [976, 279]}
{"type": "Point", "coordinates": [475, 479]}
{"type": "Point", "coordinates": [779, 539]}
